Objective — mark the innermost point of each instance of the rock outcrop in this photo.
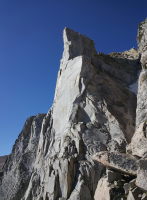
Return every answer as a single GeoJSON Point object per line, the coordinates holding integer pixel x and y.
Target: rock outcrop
{"type": "Point", "coordinates": [142, 42]}
{"type": "Point", "coordinates": [2, 162]}
{"type": "Point", "coordinates": [19, 165]}
{"type": "Point", "coordinates": [139, 140]}
{"type": "Point", "coordinates": [119, 161]}
{"type": "Point", "coordinates": [65, 154]}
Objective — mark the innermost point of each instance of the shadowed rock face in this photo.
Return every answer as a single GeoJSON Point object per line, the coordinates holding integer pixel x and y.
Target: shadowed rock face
{"type": "Point", "coordinates": [19, 165]}
{"type": "Point", "coordinates": [76, 45]}
{"type": "Point", "coordinates": [94, 111]}
{"type": "Point", "coordinates": [121, 162]}
{"type": "Point", "coordinates": [2, 161]}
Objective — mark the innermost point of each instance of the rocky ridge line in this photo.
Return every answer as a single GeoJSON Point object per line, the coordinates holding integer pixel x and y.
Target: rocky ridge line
{"type": "Point", "coordinates": [94, 111]}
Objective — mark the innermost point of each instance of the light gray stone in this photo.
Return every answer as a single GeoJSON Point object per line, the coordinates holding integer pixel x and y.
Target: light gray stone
{"type": "Point", "coordinates": [19, 165]}
{"type": "Point", "coordinates": [144, 196]}
{"type": "Point", "coordinates": [142, 42]}
{"type": "Point", "coordinates": [139, 141]}
{"type": "Point", "coordinates": [130, 196]}
{"type": "Point", "coordinates": [93, 111]}
{"type": "Point", "coordinates": [83, 120]}
{"type": "Point", "coordinates": [129, 186]}
{"type": "Point", "coordinates": [135, 194]}
{"type": "Point", "coordinates": [103, 190]}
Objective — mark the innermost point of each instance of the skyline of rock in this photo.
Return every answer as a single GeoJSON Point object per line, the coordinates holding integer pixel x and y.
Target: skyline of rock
{"type": "Point", "coordinates": [94, 111]}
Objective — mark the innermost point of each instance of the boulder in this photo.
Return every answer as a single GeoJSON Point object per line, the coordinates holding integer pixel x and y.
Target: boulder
{"type": "Point", "coordinates": [122, 162]}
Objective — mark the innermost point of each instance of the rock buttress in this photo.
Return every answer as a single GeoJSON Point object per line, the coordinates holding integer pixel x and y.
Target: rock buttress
{"type": "Point", "coordinates": [93, 111]}
{"type": "Point", "coordinates": [90, 113]}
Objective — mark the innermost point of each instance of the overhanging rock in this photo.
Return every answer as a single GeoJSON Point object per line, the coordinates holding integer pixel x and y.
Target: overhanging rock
{"type": "Point", "coordinates": [122, 162]}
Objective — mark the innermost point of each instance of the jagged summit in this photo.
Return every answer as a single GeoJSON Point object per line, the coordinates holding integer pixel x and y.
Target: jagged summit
{"type": "Point", "coordinates": [76, 44]}
{"type": "Point", "coordinates": [84, 147]}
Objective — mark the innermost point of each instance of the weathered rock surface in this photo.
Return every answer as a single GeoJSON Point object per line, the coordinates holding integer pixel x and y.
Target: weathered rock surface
{"type": "Point", "coordinates": [129, 186]}
{"type": "Point", "coordinates": [134, 195]}
{"type": "Point", "coordinates": [20, 163]}
{"type": "Point", "coordinates": [93, 112]}
{"type": "Point", "coordinates": [91, 122]}
{"type": "Point", "coordinates": [124, 66]}
{"type": "Point", "coordinates": [2, 161]}
{"type": "Point", "coordinates": [142, 42]}
{"type": "Point", "coordinates": [142, 174]}
{"type": "Point", "coordinates": [139, 140]}
{"type": "Point", "coordinates": [121, 188]}
{"type": "Point", "coordinates": [103, 190]}
{"type": "Point", "coordinates": [119, 161]}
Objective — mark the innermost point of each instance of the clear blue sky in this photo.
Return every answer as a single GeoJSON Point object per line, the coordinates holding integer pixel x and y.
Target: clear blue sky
{"type": "Point", "coordinates": [31, 47]}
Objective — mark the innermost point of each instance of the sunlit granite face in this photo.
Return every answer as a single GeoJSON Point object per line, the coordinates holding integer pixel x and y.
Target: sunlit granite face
{"type": "Point", "coordinates": [93, 113]}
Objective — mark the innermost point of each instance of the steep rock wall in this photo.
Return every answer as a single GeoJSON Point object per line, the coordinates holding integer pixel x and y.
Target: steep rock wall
{"type": "Point", "coordinates": [94, 110]}
{"type": "Point", "coordinates": [19, 164]}
{"type": "Point", "coordinates": [90, 113]}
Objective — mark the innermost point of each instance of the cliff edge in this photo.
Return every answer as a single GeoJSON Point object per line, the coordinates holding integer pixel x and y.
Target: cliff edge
{"type": "Point", "coordinates": [91, 145]}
